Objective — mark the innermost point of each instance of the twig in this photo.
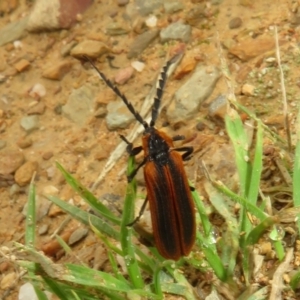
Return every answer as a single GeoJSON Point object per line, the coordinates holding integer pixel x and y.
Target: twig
{"type": "Point", "coordinates": [277, 282]}
{"type": "Point", "coordinates": [284, 100]}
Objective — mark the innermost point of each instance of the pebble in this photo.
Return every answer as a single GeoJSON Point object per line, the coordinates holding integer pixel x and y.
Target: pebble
{"type": "Point", "coordinates": [176, 31]}
{"type": "Point", "coordinates": [14, 189]}
{"type": "Point", "coordinates": [50, 190]}
{"type": "Point", "coordinates": [118, 115]}
{"type": "Point", "coordinates": [250, 48]}
{"type": "Point", "coordinates": [235, 23]}
{"type": "Point", "coordinates": [122, 2]}
{"type": "Point", "coordinates": [13, 31]}
{"type": "Point", "coordinates": [22, 65]}
{"type": "Point", "coordinates": [43, 229]}
{"type": "Point", "coordinates": [100, 112]}
{"type": "Point", "coordinates": [66, 49]}
{"type": "Point", "coordinates": [2, 144]}
{"type": "Point", "coordinates": [192, 93]}
{"type": "Point", "coordinates": [55, 14]}
{"type": "Point", "coordinates": [18, 44]}
{"type": "Point", "coordinates": [147, 7]}
{"type": "Point", "coordinates": [173, 6]}
{"type": "Point", "coordinates": [27, 292]}
{"type": "Point", "coordinates": [248, 89]}
{"type": "Point", "coordinates": [24, 142]}
{"type": "Point", "coordinates": [10, 162]}
{"type": "Point", "coordinates": [80, 105]}
{"type": "Point", "coordinates": [141, 42]}
{"type": "Point", "coordinates": [42, 207]}
{"type": "Point", "coordinates": [138, 65]}
{"type": "Point", "coordinates": [58, 70]}
{"type": "Point", "coordinates": [24, 174]}
{"type": "Point", "coordinates": [47, 155]}
{"type": "Point", "coordinates": [37, 91]}
{"type": "Point", "coordinates": [124, 75]}
{"type": "Point", "coordinates": [196, 14]}
{"type": "Point", "coordinates": [8, 280]}
{"type": "Point", "coordinates": [29, 123]}
{"type": "Point", "coordinates": [90, 48]}
{"type": "Point", "coordinates": [218, 107]}
{"type": "Point", "coordinates": [115, 28]}
{"type": "Point", "coordinates": [187, 65]}
{"type": "Point", "coordinates": [151, 21]}
{"type": "Point", "coordinates": [200, 126]}
{"type": "Point", "coordinates": [77, 235]}
{"type": "Point", "coordinates": [37, 109]}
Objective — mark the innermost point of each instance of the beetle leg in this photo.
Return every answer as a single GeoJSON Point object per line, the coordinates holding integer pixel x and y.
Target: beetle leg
{"type": "Point", "coordinates": [178, 138]}
{"type": "Point", "coordinates": [140, 213]}
{"type": "Point", "coordinates": [188, 152]}
{"type": "Point", "coordinates": [133, 173]}
{"type": "Point", "coordinates": [132, 151]}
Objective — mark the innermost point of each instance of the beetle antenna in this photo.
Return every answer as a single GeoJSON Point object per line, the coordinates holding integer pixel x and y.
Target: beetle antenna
{"type": "Point", "coordinates": [118, 93]}
{"type": "Point", "coordinates": [160, 88]}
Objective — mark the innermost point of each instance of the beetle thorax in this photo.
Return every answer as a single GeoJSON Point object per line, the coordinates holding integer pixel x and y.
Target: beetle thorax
{"type": "Point", "coordinates": [157, 148]}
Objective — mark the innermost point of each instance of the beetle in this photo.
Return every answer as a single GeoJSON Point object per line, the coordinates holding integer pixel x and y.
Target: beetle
{"type": "Point", "coordinates": [168, 192]}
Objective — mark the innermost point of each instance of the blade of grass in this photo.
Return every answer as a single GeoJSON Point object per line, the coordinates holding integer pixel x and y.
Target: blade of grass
{"type": "Point", "coordinates": [209, 249]}
{"type": "Point", "coordinates": [85, 217]}
{"type": "Point", "coordinates": [126, 232]}
{"type": "Point", "coordinates": [231, 246]}
{"type": "Point", "coordinates": [88, 196]}
{"type": "Point", "coordinates": [254, 210]}
{"type": "Point", "coordinates": [256, 168]}
{"type": "Point", "coordinates": [30, 218]}
{"type": "Point", "coordinates": [295, 281]}
{"type": "Point", "coordinates": [207, 228]}
{"type": "Point", "coordinates": [40, 294]}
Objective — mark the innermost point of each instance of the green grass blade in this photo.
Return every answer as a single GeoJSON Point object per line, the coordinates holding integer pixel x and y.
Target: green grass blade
{"type": "Point", "coordinates": [231, 246]}
{"type": "Point", "coordinates": [295, 281]}
{"type": "Point", "coordinates": [237, 134]}
{"type": "Point", "coordinates": [257, 232]}
{"type": "Point", "coordinates": [202, 212]}
{"type": "Point", "coordinates": [56, 288]}
{"type": "Point", "coordinates": [30, 218]}
{"type": "Point", "coordinates": [86, 218]}
{"type": "Point", "coordinates": [209, 249]}
{"type": "Point", "coordinates": [126, 232]}
{"type": "Point", "coordinates": [253, 209]}
{"type": "Point", "coordinates": [88, 196]}
{"type": "Point", "coordinates": [40, 294]}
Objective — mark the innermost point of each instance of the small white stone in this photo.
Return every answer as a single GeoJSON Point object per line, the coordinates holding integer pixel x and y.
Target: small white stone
{"type": "Point", "coordinates": [38, 90]}
{"type": "Point", "coordinates": [18, 44]}
{"type": "Point", "coordinates": [151, 21]}
{"type": "Point", "coordinates": [27, 292]}
{"type": "Point", "coordinates": [138, 66]}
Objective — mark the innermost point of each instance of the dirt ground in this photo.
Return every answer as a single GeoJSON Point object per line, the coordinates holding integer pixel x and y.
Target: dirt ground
{"type": "Point", "coordinates": [83, 149]}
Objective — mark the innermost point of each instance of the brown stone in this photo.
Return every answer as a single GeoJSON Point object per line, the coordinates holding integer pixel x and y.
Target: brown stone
{"type": "Point", "coordinates": [22, 65]}
{"type": "Point", "coordinates": [24, 174]}
{"type": "Point", "coordinates": [10, 162]}
{"type": "Point", "coordinates": [58, 70]}
{"type": "Point", "coordinates": [90, 48]}
{"type": "Point", "coordinates": [47, 155]}
{"type": "Point", "coordinates": [124, 75]}
{"type": "Point", "coordinates": [37, 109]}
{"type": "Point", "coordinates": [24, 142]}
{"type": "Point", "coordinates": [251, 48]}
